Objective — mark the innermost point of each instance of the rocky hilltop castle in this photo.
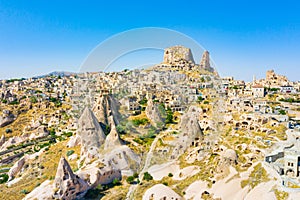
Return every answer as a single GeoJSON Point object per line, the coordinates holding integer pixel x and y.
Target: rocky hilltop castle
{"type": "Point", "coordinates": [180, 57]}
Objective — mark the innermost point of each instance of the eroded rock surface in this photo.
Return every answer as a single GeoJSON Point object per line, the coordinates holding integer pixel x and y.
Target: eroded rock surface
{"type": "Point", "coordinates": [67, 184]}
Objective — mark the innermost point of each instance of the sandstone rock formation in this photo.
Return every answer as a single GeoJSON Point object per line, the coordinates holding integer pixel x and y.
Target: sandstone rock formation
{"type": "Point", "coordinates": [229, 157]}
{"type": "Point", "coordinates": [112, 140]}
{"type": "Point", "coordinates": [153, 113]}
{"type": "Point", "coordinates": [91, 134]}
{"type": "Point", "coordinates": [189, 124]}
{"type": "Point", "coordinates": [16, 168]}
{"type": "Point", "coordinates": [175, 54]}
{"type": "Point", "coordinates": [13, 141]}
{"type": "Point", "coordinates": [41, 131]}
{"type": "Point", "coordinates": [74, 141]}
{"type": "Point", "coordinates": [275, 80]}
{"type": "Point", "coordinates": [190, 131]}
{"type": "Point", "coordinates": [160, 191]}
{"type": "Point", "coordinates": [122, 158]}
{"type": "Point", "coordinates": [2, 140]}
{"type": "Point", "coordinates": [67, 184]}
{"type": "Point", "coordinates": [6, 118]}
{"type": "Point", "coordinates": [205, 62]}
{"type": "Point", "coordinates": [42, 192]}
{"type": "Point", "coordinates": [101, 108]}
{"type": "Point", "coordinates": [106, 106]}
{"type": "Point", "coordinates": [95, 174]}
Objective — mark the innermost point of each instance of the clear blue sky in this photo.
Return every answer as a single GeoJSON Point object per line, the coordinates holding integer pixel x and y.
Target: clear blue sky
{"type": "Point", "coordinates": [244, 37]}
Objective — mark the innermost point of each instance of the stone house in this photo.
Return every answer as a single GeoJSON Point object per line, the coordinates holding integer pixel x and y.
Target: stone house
{"type": "Point", "coordinates": [258, 91]}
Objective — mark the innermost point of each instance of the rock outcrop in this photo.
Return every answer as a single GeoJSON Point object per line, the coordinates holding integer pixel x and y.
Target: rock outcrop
{"type": "Point", "coordinates": [190, 131]}
{"type": "Point", "coordinates": [101, 109]}
{"type": "Point", "coordinates": [173, 55]}
{"type": "Point", "coordinates": [16, 168]}
{"type": "Point", "coordinates": [74, 141]}
{"type": "Point", "coordinates": [6, 118]}
{"type": "Point", "coordinates": [2, 140]}
{"type": "Point", "coordinates": [275, 80]}
{"type": "Point", "coordinates": [105, 107]}
{"type": "Point", "coordinates": [205, 62]}
{"type": "Point", "coordinates": [112, 140]}
{"type": "Point", "coordinates": [189, 124]}
{"type": "Point", "coordinates": [67, 184]}
{"type": "Point", "coordinates": [228, 158]}
{"type": "Point", "coordinates": [161, 191]}
{"type": "Point", "coordinates": [42, 192]}
{"type": "Point", "coordinates": [91, 134]}
{"type": "Point", "coordinates": [40, 132]}
{"type": "Point", "coordinates": [95, 175]}
{"type": "Point", "coordinates": [153, 113]}
{"type": "Point", "coordinates": [122, 158]}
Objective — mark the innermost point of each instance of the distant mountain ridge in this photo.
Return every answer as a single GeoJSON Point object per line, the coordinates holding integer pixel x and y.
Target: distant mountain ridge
{"type": "Point", "coordinates": [57, 73]}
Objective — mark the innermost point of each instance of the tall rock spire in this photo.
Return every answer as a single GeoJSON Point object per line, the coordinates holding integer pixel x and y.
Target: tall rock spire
{"type": "Point", "coordinates": [113, 139]}
{"type": "Point", "coordinates": [205, 62]}
{"type": "Point", "coordinates": [90, 131]}
{"type": "Point", "coordinates": [67, 184]}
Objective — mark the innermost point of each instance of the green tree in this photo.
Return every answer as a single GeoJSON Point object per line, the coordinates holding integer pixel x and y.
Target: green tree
{"type": "Point", "coordinates": [130, 179]}
{"type": "Point", "coordinates": [3, 178]}
{"type": "Point", "coordinates": [147, 176]}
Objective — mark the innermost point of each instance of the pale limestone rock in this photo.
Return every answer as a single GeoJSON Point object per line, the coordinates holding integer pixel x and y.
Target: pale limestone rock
{"type": "Point", "coordinates": [2, 140]}
{"type": "Point", "coordinates": [100, 109]}
{"type": "Point", "coordinates": [95, 175]}
{"type": "Point", "coordinates": [205, 62]}
{"type": "Point", "coordinates": [68, 185]}
{"type": "Point", "coordinates": [153, 113]}
{"type": "Point", "coordinates": [160, 191]}
{"type": "Point", "coordinates": [105, 107]}
{"type": "Point", "coordinates": [15, 140]}
{"type": "Point", "coordinates": [43, 192]}
{"type": "Point", "coordinates": [112, 140]}
{"type": "Point", "coordinates": [6, 118]}
{"type": "Point", "coordinates": [189, 124]}
{"type": "Point", "coordinates": [41, 132]}
{"type": "Point", "coordinates": [122, 158]}
{"type": "Point", "coordinates": [73, 157]}
{"type": "Point", "coordinates": [90, 132]}
{"type": "Point", "coordinates": [74, 141]}
{"type": "Point", "coordinates": [190, 132]}
{"type": "Point", "coordinates": [16, 168]}
{"type": "Point", "coordinates": [173, 55]}
{"type": "Point", "coordinates": [229, 156]}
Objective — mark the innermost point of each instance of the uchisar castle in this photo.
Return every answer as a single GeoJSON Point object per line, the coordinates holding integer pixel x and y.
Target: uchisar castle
{"type": "Point", "coordinates": [176, 130]}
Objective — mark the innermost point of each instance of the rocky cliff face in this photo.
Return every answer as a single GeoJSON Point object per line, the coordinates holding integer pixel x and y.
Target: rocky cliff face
{"type": "Point", "coordinates": [112, 140]}
{"type": "Point", "coordinates": [175, 54]}
{"type": "Point", "coordinates": [189, 124]}
{"type": "Point", "coordinates": [190, 131]}
{"type": "Point", "coordinates": [101, 109]}
{"type": "Point", "coordinates": [6, 118]}
{"type": "Point", "coordinates": [205, 62]}
{"type": "Point", "coordinates": [153, 113]}
{"type": "Point", "coordinates": [274, 79]}
{"type": "Point", "coordinates": [106, 106]}
{"type": "Point", "coordinates": [16, 168]}
{"type": "Point", "coordinates": [67, 184]}
{"type": "Point", "coordinates": [91, 134]}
